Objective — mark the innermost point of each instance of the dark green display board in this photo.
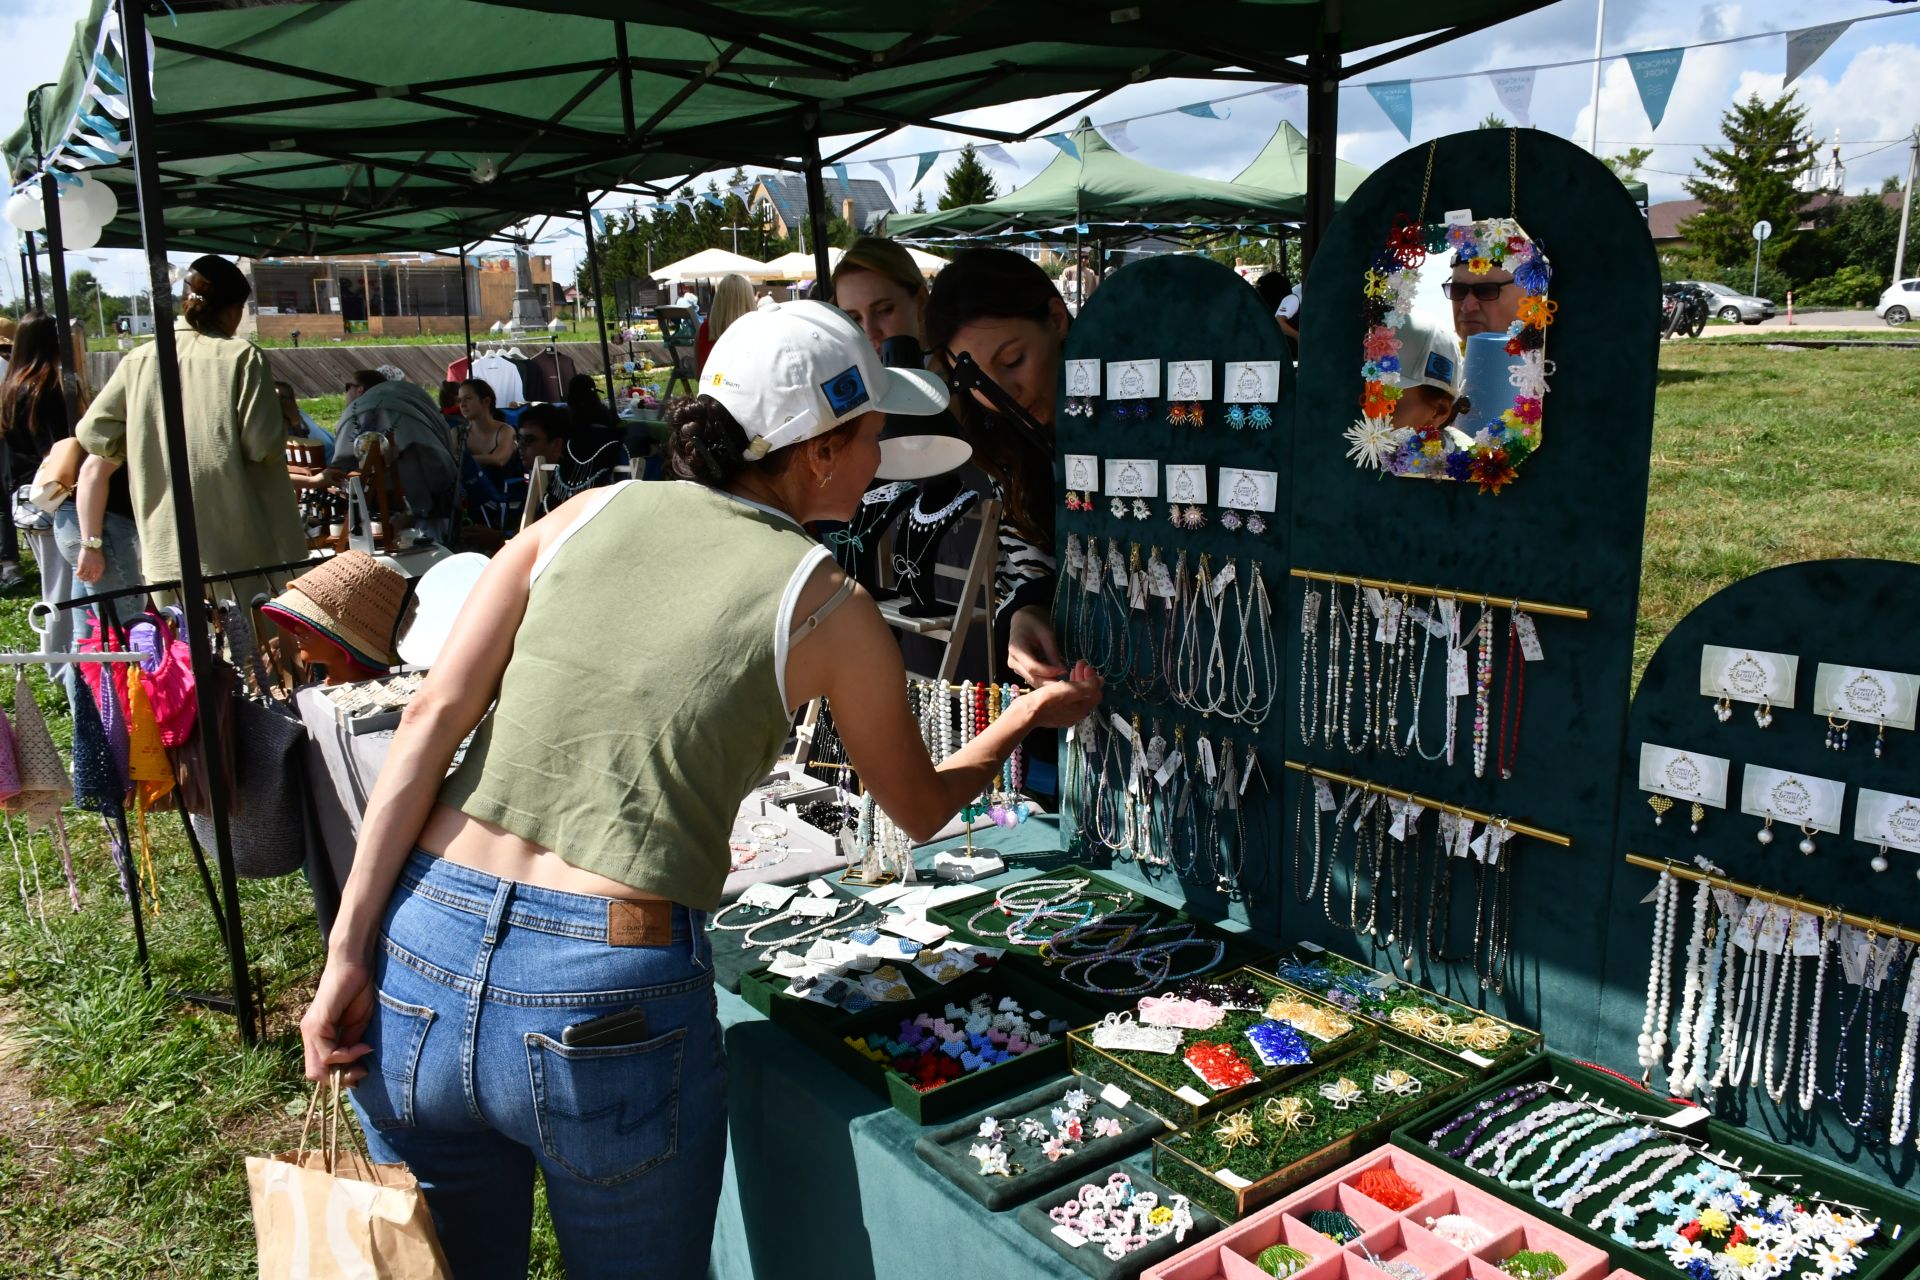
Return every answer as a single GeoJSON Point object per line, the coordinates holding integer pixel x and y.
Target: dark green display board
{"type": "Point", "coordinates": [1837, 611]}
{"type": "Point", "coordinates": [1567, 531]}
{"type": "Point", "coordinates": [1189, 308]}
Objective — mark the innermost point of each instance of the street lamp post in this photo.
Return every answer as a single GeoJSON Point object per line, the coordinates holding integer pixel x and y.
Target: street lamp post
{"type": "Point", "coordinates": [736, 229]}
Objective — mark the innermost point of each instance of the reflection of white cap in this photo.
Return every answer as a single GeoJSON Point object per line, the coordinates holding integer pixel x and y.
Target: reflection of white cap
{"type": "Point", "coordinates": [799, 369]}
{"type": "Point", "coordinates": [1429, 357]}
{"type": "Point", "coordinates": [1290, 305]}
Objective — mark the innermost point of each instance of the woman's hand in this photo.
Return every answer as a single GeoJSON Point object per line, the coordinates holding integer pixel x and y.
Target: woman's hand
{"type": "Point", "coordinates": [1032, 651]}
{"type": "Point", "coordinates": [1061, 704]}
{"type": "Point", "coordinates": [92, 563]}
{"type": "Point", "coordinates": [336, 1021]}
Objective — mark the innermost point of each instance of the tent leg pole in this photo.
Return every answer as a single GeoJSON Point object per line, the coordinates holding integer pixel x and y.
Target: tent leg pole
{"type": "Point", "coordinates": [1323, 131]}
{"type": "Point", "coordinates": [57, 270]}
{"type": "Point", "coordinates": [817, 218]}
{"type": "Point", "coordinates": [146, 168]}
{"type": "Point", "coordinates": [30, 272]}
{"type": "Point", "coordinates": [466, 310]}
{"type": "Point", "coordinates": [599, 307]}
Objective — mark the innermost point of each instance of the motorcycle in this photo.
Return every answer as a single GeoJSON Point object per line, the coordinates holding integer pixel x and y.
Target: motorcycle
{"type": "Point", "coordinates": [1683, 310]}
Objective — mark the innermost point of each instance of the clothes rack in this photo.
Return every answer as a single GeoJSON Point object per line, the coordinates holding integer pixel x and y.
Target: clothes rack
{"type": "Point", "coordinates": [172, 584]}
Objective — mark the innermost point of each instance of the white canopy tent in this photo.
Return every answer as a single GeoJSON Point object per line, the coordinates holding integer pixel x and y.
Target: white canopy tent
{"type": "Point", "coordinates": [711, 264]}
{"type": "Point", "coordinates": [800, 266]}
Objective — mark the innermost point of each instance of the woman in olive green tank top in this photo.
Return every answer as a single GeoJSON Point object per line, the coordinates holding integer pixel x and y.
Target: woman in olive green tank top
{"type": "Point", "coordinates": [518, 976]}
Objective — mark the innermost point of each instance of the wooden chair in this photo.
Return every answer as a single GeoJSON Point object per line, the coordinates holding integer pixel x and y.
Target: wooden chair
{"type": "Point", "coordinates": [977, 584]}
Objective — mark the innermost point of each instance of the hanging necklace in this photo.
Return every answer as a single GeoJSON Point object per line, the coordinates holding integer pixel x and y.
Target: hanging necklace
{"type": "Point", "coordinates": [1777, 1089]}
{"type": "Point", "coordinates": [1402, 664]}
{"type": "Point", "coordinates": [1216, 685]}
{"type": "Point", "coordinates": [1300, 806]}
{"type": "Point", "coordinates": [1683, 1045]}
{"type": "Point", "coordinates": [1482, 690]}
{"type": "Point", "coordinates": [1256, 660]}
{"type": "Point", "coordinates": [1513, 697]}
{"type": "Point", "coordinates": [1358, 650]}
{"type": "Point", "coordinates": [1309, 705]}
{"type": "Point", "coordinates": [1653, 1023]}
{"type": "Point", "coordinates": [1335, 621]}
{"type": "Point", "coordinates": [1810, 1059]}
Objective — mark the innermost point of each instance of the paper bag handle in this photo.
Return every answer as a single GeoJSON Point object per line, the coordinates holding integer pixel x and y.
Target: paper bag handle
{"type": "Point", "coordinates": [332, 1126]}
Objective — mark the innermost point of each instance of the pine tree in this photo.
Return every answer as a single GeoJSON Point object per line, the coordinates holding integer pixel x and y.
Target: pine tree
{"type": "Point", "coordinates": [968, 182]}
{"type": "Point", "coordinates": [1493, 120]}
{"type": "Point", "coordinates": [1629, 162]}
{"type": "Point", "coordinates": [1750, 179]}
{"type": "Point", "coordinates": [920, 202]}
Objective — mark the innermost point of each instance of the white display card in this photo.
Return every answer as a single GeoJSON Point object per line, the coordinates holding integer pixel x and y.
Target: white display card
{"type": "Point", "coordinates": [1189, 380]}
{"type": "Point", "coordinates": [1186, 482]}
{"type": "Point", "coordinates": [1082, 471]}
{"type": "Point", "coordinates": [1250, 381]}
{"type": "Point", "coordinates": [1083, 377]}
{"type": "Point", "coordinates": [1684, 775]}
{"type": "Point", "coordinates": [1881, 817]}
{"type": "Point", "coordinates": [1797, 798]}
{"type": "Point", "coordinates": [1246, 490]}
{"type": "Point", "coordinates": [1133, 477]}
{"type": "Point", "coordinates": [1866, 694]}
{"type": "Point", "coordinates": [1133, 380]}
{"type": "Point", "coordinates": [1748, 675]}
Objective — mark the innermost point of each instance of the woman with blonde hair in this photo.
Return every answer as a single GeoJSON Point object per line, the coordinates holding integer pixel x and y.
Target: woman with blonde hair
{"type": "Point", "coordinates": [878, 283]}
{"type": "Point", "coordinates": [732, 298]}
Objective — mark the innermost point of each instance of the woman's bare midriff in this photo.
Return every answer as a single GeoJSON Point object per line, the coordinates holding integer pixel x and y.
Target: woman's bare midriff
{"type": "Point", "coordinates": [468, 841]}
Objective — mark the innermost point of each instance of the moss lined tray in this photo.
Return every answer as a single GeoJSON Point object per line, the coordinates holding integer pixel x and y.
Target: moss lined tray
{"type": "Point", "coordinates": [946, 1148]}
{"type": "Point", "coordinates": [1436, 1033]}
{"type": "Point", "coordinates": [1167, 1086]}
{"type": "Point", "coordinates": [1234, 1181]}
{"type": "Point", "coordinates": [1088, 1258]}
{"type": "Point", "coordinates": [1887, 1258]}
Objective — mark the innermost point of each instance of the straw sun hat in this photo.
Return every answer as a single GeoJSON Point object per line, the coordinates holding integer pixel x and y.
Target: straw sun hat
{"type": "Point", "coordinates": [352, 600]}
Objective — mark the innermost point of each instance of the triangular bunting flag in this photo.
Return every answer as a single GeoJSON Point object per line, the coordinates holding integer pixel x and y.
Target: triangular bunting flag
{"type": "Point", "coordinates": [886, 178]}
{"type": "Point", "coordinates": [997, 153]}
{"type": "Point", "coordinates": [106, 75]}
{"type": "Point", "coordinates": [840, 172]}
{"type": "Point", "coordinates": [1117, 135]}
{"type": "Point", "coordinates": [1805, 46]}
{"type": "Point", "coordinates": [926, 162]}
{"type": "Point", "coordinates": [1396, 99]}
{"type": "Point", "coordinates": [1287, 94]}
{"type": "Point", "coordinates": [599, 220]}
{"type": "Point", "coordinates": [1065, 143]}
{"type": "Point", "coordinates": [1653, 75]}
{"type": "Point", "coordinates": [1515, 91]}
{"type": "Point", "coordinates": [1204, 111]}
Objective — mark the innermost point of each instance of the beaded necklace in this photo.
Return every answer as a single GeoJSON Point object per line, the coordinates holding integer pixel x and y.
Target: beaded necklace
{"type": "Point", "coordinates": [1530, 1124]}
{"type": "Point", "coordinates": [1360, 664]}
{"type": "Point", "coordinates": [1577, 1129]}
{"type": "Point", "coordinates": [1486, 1112]}
{"type": "Point", "coordinates": [1482, 689]}
{"type": "Point", "coordinates": [1256, 660]}
{"type": "Point", "coordinates": [1576, 1176]}
{"type": "Point", "coordinates": [1335, 621]}
{"type": "Point", "coordinates": [1513, 696]}
{"type": "Point", "coordinates": [1301, 803]}
{"type": "Point", "coordinates": [1419, 681]}
{"type": "Point", "coordinates": [1392, 672]}
{"type": "Point", "coordinates": [1309, 703]}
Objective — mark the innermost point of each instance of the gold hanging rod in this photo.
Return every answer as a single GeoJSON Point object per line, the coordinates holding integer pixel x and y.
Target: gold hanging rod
{"type": "Point", "coordinates": [1442, 593]}
{"type": "Point", "coordinates": [1518, 828]}
{"type": "Point", "coordinates": [1745, 890]}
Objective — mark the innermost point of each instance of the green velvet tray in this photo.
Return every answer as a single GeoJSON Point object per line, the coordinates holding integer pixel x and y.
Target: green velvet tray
{"type": "Point", "coordinates": [1886, 1257]}
{"type": "Point", "coordinates": [1088, 1259]}
{"type": "Point", "coordinates": [1165, 1085]}
{"type": "Point", "coordinates": [955, 914]}
{"type": "Point", "coordinates": [1232, 1183]}
{"type": "Point", "coordinates": [946, 1148]}
{"type": "Point", "coordinates": [1396, 992]}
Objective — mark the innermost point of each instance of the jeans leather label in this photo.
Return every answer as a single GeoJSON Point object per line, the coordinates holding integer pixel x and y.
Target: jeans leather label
{"type": "Point", "coordinates": [639, 924]}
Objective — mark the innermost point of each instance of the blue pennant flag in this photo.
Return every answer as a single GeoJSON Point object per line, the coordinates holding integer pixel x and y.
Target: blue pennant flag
{"type": "Point", "coordinates": [1396, 99]}
{"type": "Point", "coordinates": [599, 220]}
{"type": "Point", "coordinates": [106, 75]}
{"type": "Point", "coordinates": [1204, 110]}
{"type": "Point", "coordinates": [713, 199]}
{"type": "Point", "coordinates": [840, 172]}
{"type": "Point", "coordinates": [927, 161]}
{"type": "Point", "coordinates": [1065, 143]}
{"type": "Point", "coordinates": [1653, 75]}
{"type": "Point", "coordinates": [100, 125]}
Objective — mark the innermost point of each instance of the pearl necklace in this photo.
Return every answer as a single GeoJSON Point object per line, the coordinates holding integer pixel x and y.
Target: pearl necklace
{"type": "Point", "coordinates": [1810, 1061]}
{"type": "Point", "coordinates": [1483, 690]}
{"type": "Point", "coordinates": [1653, 1023]}
{"type": "Point", "coordinates": [1684, 1045]}
{"type": "Point", "coordinates": [1309, 705]}
{"type": "Point", "coordinates": [1777, 1089]}
{"type": "Point", "coordinates": [1903, 1078]}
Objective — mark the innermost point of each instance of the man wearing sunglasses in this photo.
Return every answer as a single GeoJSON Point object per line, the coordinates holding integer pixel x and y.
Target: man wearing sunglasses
{"type": "Point", "coordinates": [1487, 303]}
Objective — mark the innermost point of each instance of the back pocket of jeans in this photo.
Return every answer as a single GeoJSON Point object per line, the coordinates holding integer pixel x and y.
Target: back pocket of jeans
{"type": "Point", "coordinates": [397, 1033]}
{"type": "Point", "coordinates": [607, 1113]}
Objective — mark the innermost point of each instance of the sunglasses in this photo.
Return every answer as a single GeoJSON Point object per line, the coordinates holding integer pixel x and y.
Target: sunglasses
{"type": "Point", "coordinates": [1484, 292]}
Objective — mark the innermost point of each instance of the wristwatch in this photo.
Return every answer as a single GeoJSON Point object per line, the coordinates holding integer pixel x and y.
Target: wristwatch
{"type": "Point", "coordinates": [92, 544]}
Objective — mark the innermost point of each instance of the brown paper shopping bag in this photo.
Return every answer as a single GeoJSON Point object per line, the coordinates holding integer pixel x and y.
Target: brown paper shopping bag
{"type": "Point", "coordinates": [336, 1215]}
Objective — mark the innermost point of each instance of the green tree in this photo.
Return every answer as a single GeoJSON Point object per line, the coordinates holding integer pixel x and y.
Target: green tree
{"type": "Point", "coordinates": [1627, 164]}
{"type": "Point", "coordinates": [968, 182]}
{"type": "Point", "coordinates": [1493, 120]}
{"type": "Point", "coordinates": [1750, 179]}
{"type": "Point", "coordinates": [919, 202]}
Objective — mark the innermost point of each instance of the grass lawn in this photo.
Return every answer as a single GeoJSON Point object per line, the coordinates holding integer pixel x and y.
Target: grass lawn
{"type": "Point", "coordinates": [125, 1114]}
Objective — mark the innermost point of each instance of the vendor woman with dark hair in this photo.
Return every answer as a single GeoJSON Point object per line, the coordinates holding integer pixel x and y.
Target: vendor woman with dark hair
{"type": "Point", "coordinates": [520, 975]}
{"type": "Point", "coordinates": [1001, 309]}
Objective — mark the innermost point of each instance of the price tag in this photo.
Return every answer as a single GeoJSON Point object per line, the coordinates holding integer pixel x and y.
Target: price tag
{"type": "Point", "coordinates": [1137, 590]}
{"type": "Point", "coordinates": [1463, 838]}
{"type": "Point", "coordinates": [819, 888]}
{"type": "Point", "coordinates": [1232, 1179]}
{"type": "Point", "coordinates": [1529, 637]}
{"type": "Point", "coordinates": [1190, 1095]}
{"type": "Point", "coordinates": [1446, 624]}
{"type": "Point", "coordinates": [1073, 1238]}
{"type": "Point", "coordinates": [1116, 1097]}
{"type": "Point", "coordinates": [1806, 934]}
{"type": "Point", "coordinates": [1479, 845]}
{"type": "Point", "coordinates": [1742, 936]}
{"type": "Point", "coordinates": [1686, 1117]}
{"type": "Point", "coordinates": [1206, 761]}
{"type": "Point", "coordinates": [771, 896]}
{"type": "Point", "coordinates": [1376, 603]}
{"type": "Point", "coordinates": [813, 909]}
{"type": "Point", "coordinates": [1366, 807]}
{"type": "Point", "coordinates": [1309, 611]}
{"type": "Point", "coordinates": [1853, 953]}
{"type": "Point", "coordinates": [1477, 1060]}
{"type": "Point", "coordinates": [1246, 774]}
{"type": "Point", "coordinates": [1457, 683]}
{"type": "Point", "coordinates": [1161, 584]}
{"type": "Point", "coordinates": [1313, 947]}
{"type": "Point", "coordinates": [1323, 795]}
{"type": "Point", "coordinates": [1390, 625]}
{"type": "Point", "coordinates": [1221, 581]}
{"type": "Point", "coordinates": [1772, 937]}
{"type": "Point", "coordinates": [1116, 567]}
{"type": "Point", "coordinates": [1161, 778]}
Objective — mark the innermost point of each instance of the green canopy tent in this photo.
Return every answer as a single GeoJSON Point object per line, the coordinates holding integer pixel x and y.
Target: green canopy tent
{"type": "Point", "coordinates": [1282, 166]}
{"type": "Point", "coordinates": [1096, 184]}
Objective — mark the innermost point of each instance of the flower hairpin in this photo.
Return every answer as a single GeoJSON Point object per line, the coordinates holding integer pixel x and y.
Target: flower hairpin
{"type": "Point", "coordinates": [1289, 1113]}
{"type": "Point", "coordinates": [1237, 1131]}
{"type": "Point", "coordinates": [1342, 1093]}
{"type": "Point", "coordinates": [1398, 1082]}
{"type": "Point", "coordinates": [1106, 1127]}
{"type": "Point", "coordinates": [994, 1161]}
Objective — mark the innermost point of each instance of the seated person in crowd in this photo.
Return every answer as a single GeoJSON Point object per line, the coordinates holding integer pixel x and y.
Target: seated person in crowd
{"type": "Point", "coordinates": [581, 460]}
{"type": "Point", "coordinates": [490, 470]}
{"type": "Point", "coordinates": [299, 425]}
{"type": "Point", "coordinates": [585, 406]}
{"type": "Point", "coordinates": [420, 452]}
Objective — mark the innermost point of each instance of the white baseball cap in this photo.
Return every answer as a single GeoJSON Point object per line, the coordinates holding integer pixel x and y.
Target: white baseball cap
{"type": "Point", "coordinates": [1429, 357]}
{"type": "Point", "coordinates": [797, 370]}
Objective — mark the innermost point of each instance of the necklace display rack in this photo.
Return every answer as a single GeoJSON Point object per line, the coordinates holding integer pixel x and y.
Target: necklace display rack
{"type": "Point", "coordinates": [856, 544]}
{"type": "Point", "coordinates": [1552, 557]}
{"type": "Point", "coordinates": [1175, 440]}
{"type": "Point", "coordinates": [1778, 975]}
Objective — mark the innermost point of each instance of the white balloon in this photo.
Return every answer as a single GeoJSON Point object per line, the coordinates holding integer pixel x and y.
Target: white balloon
{"type": "Point", "coordinates": [24, 211]}
{"type": "Point", "coordinates": [74, 239]}
{"type": "Point", "coordinates": [97, 198]}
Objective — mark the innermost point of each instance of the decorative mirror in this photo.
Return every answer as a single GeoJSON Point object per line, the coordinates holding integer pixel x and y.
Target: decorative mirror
{"type": "Point", "coordinates": [1453, 368]}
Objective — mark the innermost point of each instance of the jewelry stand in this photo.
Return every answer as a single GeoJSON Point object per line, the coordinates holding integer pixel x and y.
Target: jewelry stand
{"type": "Point", "coordinates": [856, 545]}
{"type": "Point", "coordinates": [918, 546]}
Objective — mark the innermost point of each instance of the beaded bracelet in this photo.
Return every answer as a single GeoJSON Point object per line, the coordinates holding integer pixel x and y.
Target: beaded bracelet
{"type": "Point", "coordinates": [1502, 1103]}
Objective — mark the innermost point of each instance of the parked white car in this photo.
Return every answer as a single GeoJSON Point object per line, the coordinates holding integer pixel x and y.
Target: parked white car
{"type": "Point", "coordinates": [1899, 302]}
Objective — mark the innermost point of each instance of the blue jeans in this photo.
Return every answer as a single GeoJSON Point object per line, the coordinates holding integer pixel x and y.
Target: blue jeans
{"type": "Point", "coordinates": [470, 1085]}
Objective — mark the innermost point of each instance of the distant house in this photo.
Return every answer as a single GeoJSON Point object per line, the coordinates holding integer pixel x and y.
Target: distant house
{"type": "Point", "coordinates": [1664, 219]}
{"type": "Point", "coordinates": [860, 201]}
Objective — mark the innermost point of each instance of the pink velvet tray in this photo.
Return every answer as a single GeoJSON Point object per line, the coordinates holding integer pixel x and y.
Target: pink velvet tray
{"type": "Point", "coordinates": [1389, 1235]}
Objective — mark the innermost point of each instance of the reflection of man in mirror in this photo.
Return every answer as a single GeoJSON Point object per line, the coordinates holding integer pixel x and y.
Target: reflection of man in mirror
{"type": "Point", "coordinates": [1487, 303]}
{"type": "Point", "coordinates": [1429, 378]}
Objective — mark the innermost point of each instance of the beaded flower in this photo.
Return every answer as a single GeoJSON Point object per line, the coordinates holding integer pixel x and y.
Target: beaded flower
{"type": "Point", "coordinates": [1289, 1113]}
{"type": "Point", "coordinates": [1237, 1131]}
{"type": "Point", "coordinates": [1106, 1127]}
{"type": "Point", "coordinates": [1055, 1149]}
{"type": "Point", "coordinates": [1536, 312]}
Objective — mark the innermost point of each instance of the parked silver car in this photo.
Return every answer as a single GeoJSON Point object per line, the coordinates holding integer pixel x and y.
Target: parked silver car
{"type": "Point", "coordinates": [1731, 305]}
{"type": "Point", "coordinates": [1899, 302]}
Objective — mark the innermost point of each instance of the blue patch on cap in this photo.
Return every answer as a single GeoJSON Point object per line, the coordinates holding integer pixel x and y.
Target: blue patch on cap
{"type": "Point", "coordinates": [1439, 365]}
{"type": "Point", "coordinates": [846, 391]}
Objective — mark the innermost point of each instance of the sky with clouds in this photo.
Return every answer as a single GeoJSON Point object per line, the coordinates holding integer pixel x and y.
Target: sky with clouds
{"type": "Point", "coordinates": [1863, 88]}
